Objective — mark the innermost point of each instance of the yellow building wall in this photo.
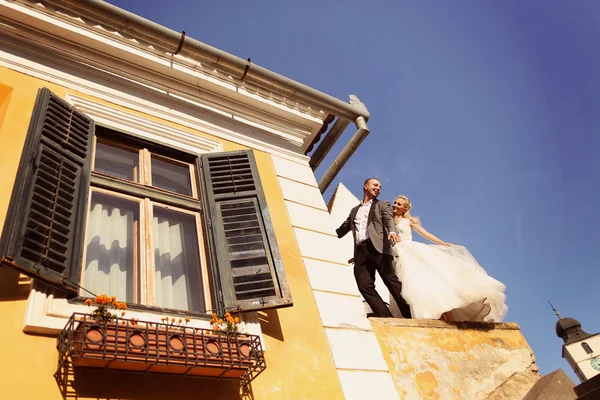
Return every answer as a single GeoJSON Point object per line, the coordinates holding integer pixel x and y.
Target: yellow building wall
{"type": "Point", "coordinates": [299, 363]}
{"type": "Point", "coordinates": [435, 360]}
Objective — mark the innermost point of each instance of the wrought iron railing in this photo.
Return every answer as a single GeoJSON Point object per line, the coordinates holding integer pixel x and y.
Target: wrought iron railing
{"type": "Point", "coordinates": [148, 347]}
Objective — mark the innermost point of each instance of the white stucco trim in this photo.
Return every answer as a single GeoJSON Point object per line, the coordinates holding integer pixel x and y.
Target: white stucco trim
{"type": "Point", "coordinates": [86, 33]}
{"type": "Point", "coordinates": [355, 351]}
{"type": "Point", "coordinates": [153, 86]}
{"type": "Point", "coordinates": [360, 385]}
{"type": "Point", "coordinates": [146, 128]}
{"type": "Point", "coordinates": [187, 115]}
{"type": "Point", "coordinates": [47, 314]}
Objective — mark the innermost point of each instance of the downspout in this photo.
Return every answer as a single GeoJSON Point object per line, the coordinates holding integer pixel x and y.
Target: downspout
{"type": "Point", "coordinates": [327, 143]}
{"type": "Point", "coordinates": [171, 41]}
{"type": "Point", "coordinates": [361, 133]}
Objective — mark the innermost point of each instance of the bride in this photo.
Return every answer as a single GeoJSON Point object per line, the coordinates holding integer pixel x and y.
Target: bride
{"type": "Point", "coordinates": [442, 281]}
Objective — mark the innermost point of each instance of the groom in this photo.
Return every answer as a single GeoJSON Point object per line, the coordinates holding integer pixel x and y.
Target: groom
{"type": "Point", "coordinates": [372, 225]}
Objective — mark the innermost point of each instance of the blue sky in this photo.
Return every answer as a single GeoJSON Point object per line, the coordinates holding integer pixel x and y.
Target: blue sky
{"type": "Point", "coordinates": [486, 114]}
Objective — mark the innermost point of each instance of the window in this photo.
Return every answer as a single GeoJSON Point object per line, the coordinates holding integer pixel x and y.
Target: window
{"type": "Point", "coordinates": [137, 247]}
{"type": "Point", "coordinates": [154, 226]}
{"type": "Point", "coordinates": [587, 348]}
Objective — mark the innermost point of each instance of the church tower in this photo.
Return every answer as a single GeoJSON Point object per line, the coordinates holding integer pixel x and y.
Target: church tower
{"type": "Point", "coordinates": [581, 349]}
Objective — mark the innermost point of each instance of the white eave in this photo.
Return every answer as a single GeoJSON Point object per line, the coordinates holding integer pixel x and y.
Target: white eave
{"type": "Point", "coordinates": [290, 121]}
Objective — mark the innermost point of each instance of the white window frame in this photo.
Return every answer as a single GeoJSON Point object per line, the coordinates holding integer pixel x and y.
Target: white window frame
{"type": "Point", "coordinates": [144, 276]}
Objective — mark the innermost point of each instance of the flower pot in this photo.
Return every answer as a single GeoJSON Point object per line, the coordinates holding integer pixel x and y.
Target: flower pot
{"type": "Point", "coordinates": [160, 348]}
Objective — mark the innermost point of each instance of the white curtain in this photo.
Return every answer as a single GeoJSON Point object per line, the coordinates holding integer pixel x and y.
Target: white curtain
{"type": "Point", "coordinates": [110, 239]}
{"type": "Point", "coordinates": [177, 265]}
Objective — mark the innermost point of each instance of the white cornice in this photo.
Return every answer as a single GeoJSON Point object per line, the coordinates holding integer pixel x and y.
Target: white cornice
{"type": "Point", "coordinates": [144, 127]}
{"type": "Point", "coordinates": [86, 47]}
{"type": "Point", "coordinates": [33, 60]}
{"type": "Point", "coordinates": [82, 30]}
{"type": "Point", "coordinates": [180, 114]}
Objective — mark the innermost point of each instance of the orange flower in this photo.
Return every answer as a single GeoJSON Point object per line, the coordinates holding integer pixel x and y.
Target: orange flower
{"type": "Point", "coordinates": [133, 321]}
{"type": "Point", "coordinates": [214, 315]}
{"type": "Point", "coordinates": [172, 320]}
{"type": "Point", "coordinates": [114, 298]}
{"type": "Point", "coordinates": [187, 320]}
{"type": "Point", "coordinates": [103, 299]}
{"type": "Point", "coordinates": [88, 302]}
{"type": "Point", "coordinates": [227, 315]}
{"type": "Point", "coordinates": [236, 320]}
{"type": "Point", "coordinates": [122, 313]}
{"type": "Point", "coordinates": [180, 320]}
{"type": "Point", "coordinates": [121, 306]}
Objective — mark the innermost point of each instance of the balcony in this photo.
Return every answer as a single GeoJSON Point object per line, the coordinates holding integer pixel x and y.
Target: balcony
{"type": "Point", "coordinates": [155, 348]}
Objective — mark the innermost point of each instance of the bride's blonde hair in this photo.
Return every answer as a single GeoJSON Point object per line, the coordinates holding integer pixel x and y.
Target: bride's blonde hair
{"type": "Point", "coordinates": [407, 212]}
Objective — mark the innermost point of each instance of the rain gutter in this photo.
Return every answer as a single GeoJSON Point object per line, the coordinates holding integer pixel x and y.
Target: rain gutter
{"type": "Point", "coordinates": [125, 22]}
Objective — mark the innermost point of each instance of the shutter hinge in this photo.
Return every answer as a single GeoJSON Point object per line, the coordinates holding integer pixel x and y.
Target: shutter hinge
{"type": "Point", "coordinates": [220, 297]}
{"type": "Point", "coordinates": [209, 223]}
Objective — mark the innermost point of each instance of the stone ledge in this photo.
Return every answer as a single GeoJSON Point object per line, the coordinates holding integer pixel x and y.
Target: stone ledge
{"type": "Point", "coordinates": [428, 323]}
{"type": "Point", "coordinates": [430, 359]}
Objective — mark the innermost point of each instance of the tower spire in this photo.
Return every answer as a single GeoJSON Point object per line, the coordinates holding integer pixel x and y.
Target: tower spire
{"type": "Point", "coordinates": [554, 309]}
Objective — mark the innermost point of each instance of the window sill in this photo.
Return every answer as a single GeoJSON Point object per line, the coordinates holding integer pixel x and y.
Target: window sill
{"type": "Point", "coordinates": [149, 310]}
{"type": "Point", "coordinates": [48, 311]}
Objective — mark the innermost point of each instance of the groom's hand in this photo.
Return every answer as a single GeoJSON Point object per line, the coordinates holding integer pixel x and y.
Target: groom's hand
{"type": "Point", "coordinates": [393, 238]}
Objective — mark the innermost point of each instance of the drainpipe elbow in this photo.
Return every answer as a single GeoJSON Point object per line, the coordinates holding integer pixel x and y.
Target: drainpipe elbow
{"type": "Point", "coordinates": [362, 131]}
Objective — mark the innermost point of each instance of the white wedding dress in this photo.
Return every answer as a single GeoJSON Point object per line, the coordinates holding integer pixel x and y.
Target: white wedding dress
{"type": "Point", "coordinates": [436, 279]}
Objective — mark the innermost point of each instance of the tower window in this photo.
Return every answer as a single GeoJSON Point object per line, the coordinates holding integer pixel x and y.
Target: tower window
{"type": "Point", "coordinates": [587, 348]}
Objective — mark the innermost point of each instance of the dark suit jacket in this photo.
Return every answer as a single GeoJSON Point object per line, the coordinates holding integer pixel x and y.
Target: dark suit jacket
{"type": "Point", "coordinates": [379, 224]}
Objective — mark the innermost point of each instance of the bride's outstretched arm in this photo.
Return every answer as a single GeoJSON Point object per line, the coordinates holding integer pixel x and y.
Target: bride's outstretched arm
{"type": "Point", "coordinates": [429, 236]}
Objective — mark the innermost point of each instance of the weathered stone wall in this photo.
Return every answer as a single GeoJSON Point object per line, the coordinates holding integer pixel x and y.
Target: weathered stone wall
{"type": "Point", "coordinates": [439, 360]}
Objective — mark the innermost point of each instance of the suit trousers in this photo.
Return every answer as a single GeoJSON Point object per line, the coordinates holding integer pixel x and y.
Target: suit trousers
{"type": "Point", "coordinates": [366, 262]}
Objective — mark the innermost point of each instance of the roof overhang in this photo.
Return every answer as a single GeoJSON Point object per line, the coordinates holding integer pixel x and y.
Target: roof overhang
{"type": "Point", "coordinates": [295, 121]}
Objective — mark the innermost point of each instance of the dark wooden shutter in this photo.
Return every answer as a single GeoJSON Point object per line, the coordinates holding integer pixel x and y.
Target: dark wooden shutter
{"type": "Point", "coordinates": [44, 228]}
{"type": "Point", "coordinates": [248, 262]}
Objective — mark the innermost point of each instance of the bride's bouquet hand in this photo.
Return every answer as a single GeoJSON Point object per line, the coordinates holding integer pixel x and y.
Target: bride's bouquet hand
{"type": "Point", "coordinates": [394, 238]}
